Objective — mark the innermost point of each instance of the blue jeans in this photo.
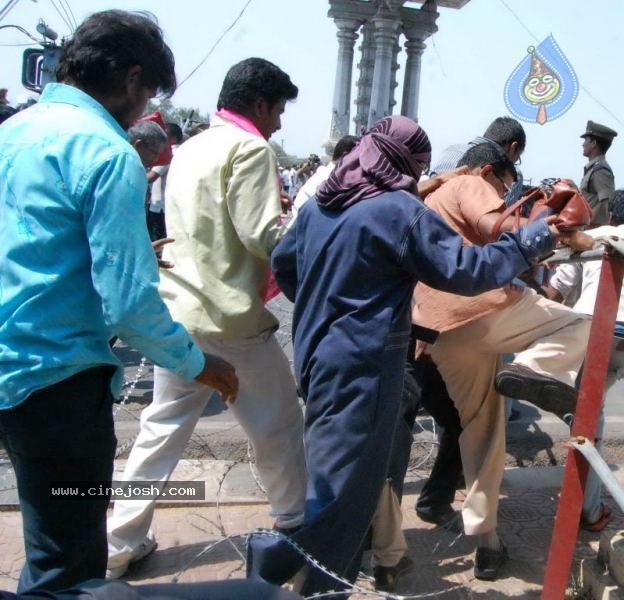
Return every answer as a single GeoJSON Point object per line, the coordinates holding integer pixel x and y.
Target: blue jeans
{"type": "Point", "coordinates": [62, 433]}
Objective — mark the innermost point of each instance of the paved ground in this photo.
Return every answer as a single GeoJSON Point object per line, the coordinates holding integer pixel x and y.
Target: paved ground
{"type": "Point", "coordinates": [444, 561]}
{"type": "Point", "coordinates": [235, 505]}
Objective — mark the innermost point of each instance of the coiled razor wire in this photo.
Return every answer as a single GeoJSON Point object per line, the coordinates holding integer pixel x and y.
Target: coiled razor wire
{"type": "Point", "coordinates": [350, 588]}
{"type": "Point", "coordinates": [127, 390]}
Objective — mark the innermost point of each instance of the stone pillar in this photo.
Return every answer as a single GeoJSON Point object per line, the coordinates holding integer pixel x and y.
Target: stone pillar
{"type": "Point", "coordinates": [414, 48]}
{"type": "Point", "coordinates": [386, 34]}
{"type": "Point", "coordinates": [365, 81]}
{"type": "Point", "coordinates": [393, 76]}
{"type": "Point", "coordinates": [347, 34]}
{"type": "Point", "coordinates": [417, 27]}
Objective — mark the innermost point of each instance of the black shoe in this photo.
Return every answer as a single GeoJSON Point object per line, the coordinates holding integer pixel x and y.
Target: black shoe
{"type": "Point", "coordinates": [547, 393]}
{"type": "Point", "coordinates": [488, 562]}
{"type": "Point", "coordinates": [386, 578]}
{"type": "Point", "coordinates": [442, 516]}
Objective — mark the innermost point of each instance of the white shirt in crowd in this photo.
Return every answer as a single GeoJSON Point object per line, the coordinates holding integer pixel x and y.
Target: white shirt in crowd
{"type": "Point", "coordinates": [309, 188]}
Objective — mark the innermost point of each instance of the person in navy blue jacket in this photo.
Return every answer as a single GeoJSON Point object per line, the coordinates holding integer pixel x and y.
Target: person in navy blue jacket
{"type": "Point", "coordinates": [349, 264]}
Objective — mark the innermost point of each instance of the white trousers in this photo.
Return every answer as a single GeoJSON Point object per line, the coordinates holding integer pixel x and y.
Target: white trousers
{"type": "Point", "coordinates": [268, 410]}
{"type": "Point", "coordinates": [548, 338]}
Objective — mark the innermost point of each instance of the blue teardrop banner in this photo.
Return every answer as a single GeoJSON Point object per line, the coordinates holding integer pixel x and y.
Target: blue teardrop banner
{"type": "Point", "coordinates": [543, 86]}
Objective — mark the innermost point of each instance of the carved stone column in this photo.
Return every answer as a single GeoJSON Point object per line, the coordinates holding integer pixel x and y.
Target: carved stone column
{"type": "Point", "coordinates": [386, 35]}
{"type": "Point", "coordinates": [347, 34]}
{"type": "Point", "coordinates": [365, 81]}
{"type": "Point", "coordinates": [393, 77]}
{"type": "Point", "coordinates": [417, 27]}
{"type": "Point", "coordinates": [414, 48]}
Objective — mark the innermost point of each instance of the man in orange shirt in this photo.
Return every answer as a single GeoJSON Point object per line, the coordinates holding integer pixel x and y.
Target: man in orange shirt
{"type": "Point", "coordinates": [550, 341]}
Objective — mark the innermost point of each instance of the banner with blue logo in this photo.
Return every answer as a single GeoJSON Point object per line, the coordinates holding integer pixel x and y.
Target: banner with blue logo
{"type": "Point", "coordinates": [543, 86]}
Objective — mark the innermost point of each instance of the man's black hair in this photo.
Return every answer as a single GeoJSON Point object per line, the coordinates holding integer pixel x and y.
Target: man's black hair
{"type": "Point", "coordinates": [505, 130]}
{"type": "Point", "coordinates": [616, 207]}
{"type": "Point", "coordinates": [488, 154]}
{"type": "Point", "coordinates": [107, 44]}
{"type": "Point", "coordinates": [603, 145]}
{"type": "Point", "coordinates": [175, 131]}
{"type": "Point", "coordinates": [255, 78]}
{"type": "Point", "coordinates": [344, 145]}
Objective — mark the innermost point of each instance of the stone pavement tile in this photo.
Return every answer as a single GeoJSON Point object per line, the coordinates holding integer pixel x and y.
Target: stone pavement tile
{"type": "Point", "coordinates": [11, 549]}
{"type": "Point", "coordinates": [182, 534]}
{"type": "Point", "coordinates": [8, 491]}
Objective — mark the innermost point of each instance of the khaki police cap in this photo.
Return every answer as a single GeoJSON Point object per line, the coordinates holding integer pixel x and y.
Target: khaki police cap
{"type": "Point", "coordinates": [599, 131]}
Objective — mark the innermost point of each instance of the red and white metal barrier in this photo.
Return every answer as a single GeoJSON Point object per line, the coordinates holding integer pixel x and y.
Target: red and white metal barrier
{"type": "Point", "coordinates": [586, 417]}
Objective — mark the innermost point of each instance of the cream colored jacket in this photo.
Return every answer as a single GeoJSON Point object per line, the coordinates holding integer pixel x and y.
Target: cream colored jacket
{"type": "Point", "coordinates": [223, 207]}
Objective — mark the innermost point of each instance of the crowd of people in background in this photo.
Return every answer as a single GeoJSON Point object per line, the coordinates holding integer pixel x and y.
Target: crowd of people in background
{"type": "Point", "coordinates": [409, 287]}
{"type": "Point", "coordinates": [7, 109]}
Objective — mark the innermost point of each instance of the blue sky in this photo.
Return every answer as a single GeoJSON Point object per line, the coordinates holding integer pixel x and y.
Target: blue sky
{"type": "Point", "coordinates": [465, 65]}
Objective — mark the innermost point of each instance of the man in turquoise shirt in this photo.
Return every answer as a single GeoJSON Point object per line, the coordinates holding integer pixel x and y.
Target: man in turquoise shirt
{"type": "Point", "coordinates": [78, 269]}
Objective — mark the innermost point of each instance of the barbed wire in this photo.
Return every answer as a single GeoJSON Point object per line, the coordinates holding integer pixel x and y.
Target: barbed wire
{"type": "Point", "coordinates": [350, 588]}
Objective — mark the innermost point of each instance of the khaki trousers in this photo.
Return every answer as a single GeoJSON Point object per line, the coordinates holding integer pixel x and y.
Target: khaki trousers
{"type": "Point", "coordinates": [388, 543]}
{"type": "Point", "coordinates": [548, 338]}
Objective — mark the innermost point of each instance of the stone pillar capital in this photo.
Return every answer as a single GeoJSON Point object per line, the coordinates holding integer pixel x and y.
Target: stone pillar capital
{"type": "Point", "coordinates": [347, 26]}
{"type": "Point", "coordinates": [386, 26]}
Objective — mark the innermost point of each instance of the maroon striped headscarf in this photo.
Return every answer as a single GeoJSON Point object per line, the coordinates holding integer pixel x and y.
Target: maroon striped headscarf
{"type": "Point", "coordinates": [390, 156]}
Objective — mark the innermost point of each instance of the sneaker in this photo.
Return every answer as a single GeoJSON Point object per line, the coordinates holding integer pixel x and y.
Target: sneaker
{"type": "Point", "coordinates": [386, 578]}
{"type": "Point", "coordinates": [547, 393]}
{"type": "Point", "coordinates": [141, 551]}
{"type": "Point", "coordinates": [444, 516]}
{"type": "Point", "coordinates": [489, 561]}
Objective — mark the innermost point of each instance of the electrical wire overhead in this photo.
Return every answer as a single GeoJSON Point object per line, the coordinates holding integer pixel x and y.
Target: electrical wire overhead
{"type": "Point", "coordinates": [203, 60]}
{"type": "Point", "coordinates": [62, 15]}
{"type": "Point", "coordinates": [19, 28]}
{"type": "Point", "coordinates": [70, 13]}
{"type": "Point", "coordinates": [4, 11]}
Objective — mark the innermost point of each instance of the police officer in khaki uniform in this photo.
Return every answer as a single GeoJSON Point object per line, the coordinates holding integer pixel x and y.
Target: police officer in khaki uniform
{"type": "Point", "coordinates": [598, 185]}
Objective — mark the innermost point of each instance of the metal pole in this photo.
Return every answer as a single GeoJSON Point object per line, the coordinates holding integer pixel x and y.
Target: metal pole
{"type": "Point", "coordinates": [588, 407]}
{"type": "Point", "coordinates": [601, 468]}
